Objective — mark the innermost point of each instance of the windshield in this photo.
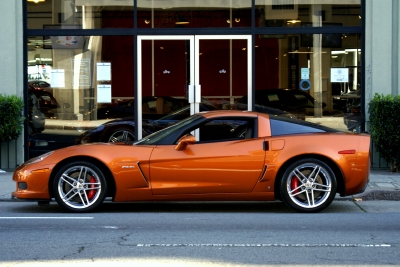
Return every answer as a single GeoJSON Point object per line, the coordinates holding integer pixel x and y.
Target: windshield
{"type": "Point", "coordinates": [157, 136]}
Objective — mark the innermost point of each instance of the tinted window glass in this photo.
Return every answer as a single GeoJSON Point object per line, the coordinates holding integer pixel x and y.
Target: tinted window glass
{"type": "Point", "coordinates": [225, 130]}
{"type": "Point", "coordinates": [283, 126]}
{"type": "Point", "coordinates": [164, 133]}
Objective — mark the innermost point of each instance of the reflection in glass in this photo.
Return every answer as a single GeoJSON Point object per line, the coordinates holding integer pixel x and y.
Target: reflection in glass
{"type": "Point", "coordinates": [290, 70]}
{"type": "Point", "coordinates": [87, 14]}
{"type": "Point", "coordinates": [299, 13]}
{"type": "Point", "coordinates": [82, 91]}
{"type": "Point", "coordinates": [194, 14]}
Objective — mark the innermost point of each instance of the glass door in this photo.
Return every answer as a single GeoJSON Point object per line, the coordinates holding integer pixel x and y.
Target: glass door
{"type": "Point", "coordinates": [165, 71]}
{"type": "Point", "coordinates": [182, 75]}
{"type": "Point", "coordinates": [223, 69]}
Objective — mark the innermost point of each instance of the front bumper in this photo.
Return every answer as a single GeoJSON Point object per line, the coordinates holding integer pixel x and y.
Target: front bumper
{"type": "Point", "coordinates": [33, 185]}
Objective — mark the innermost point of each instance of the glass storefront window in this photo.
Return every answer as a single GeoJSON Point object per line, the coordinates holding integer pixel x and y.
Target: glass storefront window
{"type": "Point", "coordinates": [305, 13]}
{"type": "Point", "coordinates": [315, 82]}
{"type": "Point", "coordinates": [194, 14]}
{"type": "Point", "coordinates": [80, 14]}
{"type": "Point", "coordinates": [89, 78]}
{"type": "Point", "coordinates": [80, 87]}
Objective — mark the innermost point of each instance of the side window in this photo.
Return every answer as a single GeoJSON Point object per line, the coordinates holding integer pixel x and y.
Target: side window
{"type": "Point", "coordinates": [226, 130]}
{"type": "Point", "coordinates": [283, 127]}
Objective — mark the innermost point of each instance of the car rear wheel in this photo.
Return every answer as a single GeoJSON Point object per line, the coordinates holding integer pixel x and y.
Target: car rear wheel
{"type": "Point", "coordinates": [308, 185]}
{"type": "Point", "coordinates": [79, 187]}
{"type": "Point", "coordinates": [121, 135]}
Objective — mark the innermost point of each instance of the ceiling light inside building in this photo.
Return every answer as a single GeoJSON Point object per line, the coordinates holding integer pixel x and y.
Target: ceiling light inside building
{"type": "Point", "coordinates": [181, 21]}
{"type": "Point", "coordinates": [293, 21]}
{"type": "Point", "coordinates": [36, 1]}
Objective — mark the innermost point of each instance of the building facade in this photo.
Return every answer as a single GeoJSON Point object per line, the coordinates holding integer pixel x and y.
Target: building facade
{"type": "Point", "coordinates": [85, 62]}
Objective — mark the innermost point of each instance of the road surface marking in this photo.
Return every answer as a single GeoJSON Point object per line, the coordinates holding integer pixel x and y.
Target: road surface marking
{"type": "Point", "coordinates": [263, 245]}
{"type": "Point", "coordinates": [47, 218]}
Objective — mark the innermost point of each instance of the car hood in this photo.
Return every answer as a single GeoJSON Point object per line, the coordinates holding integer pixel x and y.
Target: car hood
{"type": "Point", "coordinates": [103, 152]}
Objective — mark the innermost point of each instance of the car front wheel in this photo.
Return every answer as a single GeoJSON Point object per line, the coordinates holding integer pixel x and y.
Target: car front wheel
{"type": "Point", "coordinates": [79, 187]}
{"type": "Point", "coordinates": [308, 185]}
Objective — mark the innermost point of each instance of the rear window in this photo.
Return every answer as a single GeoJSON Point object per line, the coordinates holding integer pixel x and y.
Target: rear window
{"type": "Point", "coordinates": [284, 126]}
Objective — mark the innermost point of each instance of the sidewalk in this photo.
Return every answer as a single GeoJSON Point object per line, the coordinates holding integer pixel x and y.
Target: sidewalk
{"type": "Point", "coordinates": [383, 185]}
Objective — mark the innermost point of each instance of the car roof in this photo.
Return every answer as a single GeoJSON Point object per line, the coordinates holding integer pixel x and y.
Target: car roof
{"type": "Point", "coordinates": [230, 113]}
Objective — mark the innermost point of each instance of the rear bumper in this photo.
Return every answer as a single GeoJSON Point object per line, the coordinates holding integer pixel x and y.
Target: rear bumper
{"type": "Point", "coordinates": [362, 190]}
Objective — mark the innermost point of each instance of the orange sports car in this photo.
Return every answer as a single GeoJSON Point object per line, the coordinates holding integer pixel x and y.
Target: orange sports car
{"type": "Point", "coordinates": [210, 156]}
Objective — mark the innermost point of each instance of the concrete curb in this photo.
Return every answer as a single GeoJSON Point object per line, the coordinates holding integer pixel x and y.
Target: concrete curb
{"type": "Point", "coordinates": [379, 194]}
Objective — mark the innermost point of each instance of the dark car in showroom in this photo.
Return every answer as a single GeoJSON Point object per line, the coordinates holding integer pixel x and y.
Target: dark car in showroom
{"type": "Point", "coordinates": [350, 104]}
{"type": "Point", "coordinates": [123, 129]}
{"type": "Point", "coordinates": [49, 105]}
{"type": "Point", "coordinates": [35, 116]}
{"type": "Point", "coordinates": [353, 117]}
{"type": "Point", "coordinates": [153, 107]}
{"type": "Point", "coordinates": [296, 102]}
{"type": "Point", "coordinates": [37, 84]}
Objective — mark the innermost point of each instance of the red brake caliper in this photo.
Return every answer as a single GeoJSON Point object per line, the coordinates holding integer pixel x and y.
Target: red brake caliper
{"type": "Point", "coordinates": [294, 184]}
{"type": "Point", "coordinates": [92, 192]}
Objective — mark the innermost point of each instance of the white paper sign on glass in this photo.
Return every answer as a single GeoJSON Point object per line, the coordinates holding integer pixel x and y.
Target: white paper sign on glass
{"type": "Point", "coordinates": [103, 71]}
{"type": "Point", "coordinates": [305, 73]}
{"type": "Point", "coordinates": [58, 78]}
{"type": "Point", "coordinates": [104, 93]}
{"type": "Point", "coordinates": [339, 75]}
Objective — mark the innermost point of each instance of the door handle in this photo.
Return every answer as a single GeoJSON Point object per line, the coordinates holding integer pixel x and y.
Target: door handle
{"type": "Point", "coordinates": [265, 145]}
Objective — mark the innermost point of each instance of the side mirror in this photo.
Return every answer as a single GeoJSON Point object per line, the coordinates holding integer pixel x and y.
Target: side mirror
{"type": "Point", "coordinates": [184, 141]}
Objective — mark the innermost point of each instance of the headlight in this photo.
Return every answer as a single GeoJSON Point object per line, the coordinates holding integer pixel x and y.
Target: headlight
{"type": "Point", "coordinates": [38, 158]}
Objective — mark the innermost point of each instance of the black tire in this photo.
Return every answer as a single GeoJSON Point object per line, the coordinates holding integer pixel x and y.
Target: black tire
{"type": "Point", "coordinates": [121, 134]}
{"type": "Point", "coordinates": [79, 187]}
{"type": "Point", "coordinates": [308, 185]}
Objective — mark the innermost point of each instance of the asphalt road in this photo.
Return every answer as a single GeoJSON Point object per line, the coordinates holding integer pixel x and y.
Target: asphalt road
{"type": "Point", "coordinates": [201, 234]}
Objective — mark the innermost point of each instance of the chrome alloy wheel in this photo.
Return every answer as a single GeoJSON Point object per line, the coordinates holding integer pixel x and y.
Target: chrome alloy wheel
{"type": "Point", "coordinates": [79, 187]}
{"type": "Point", "coordinates": [309, 185]}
